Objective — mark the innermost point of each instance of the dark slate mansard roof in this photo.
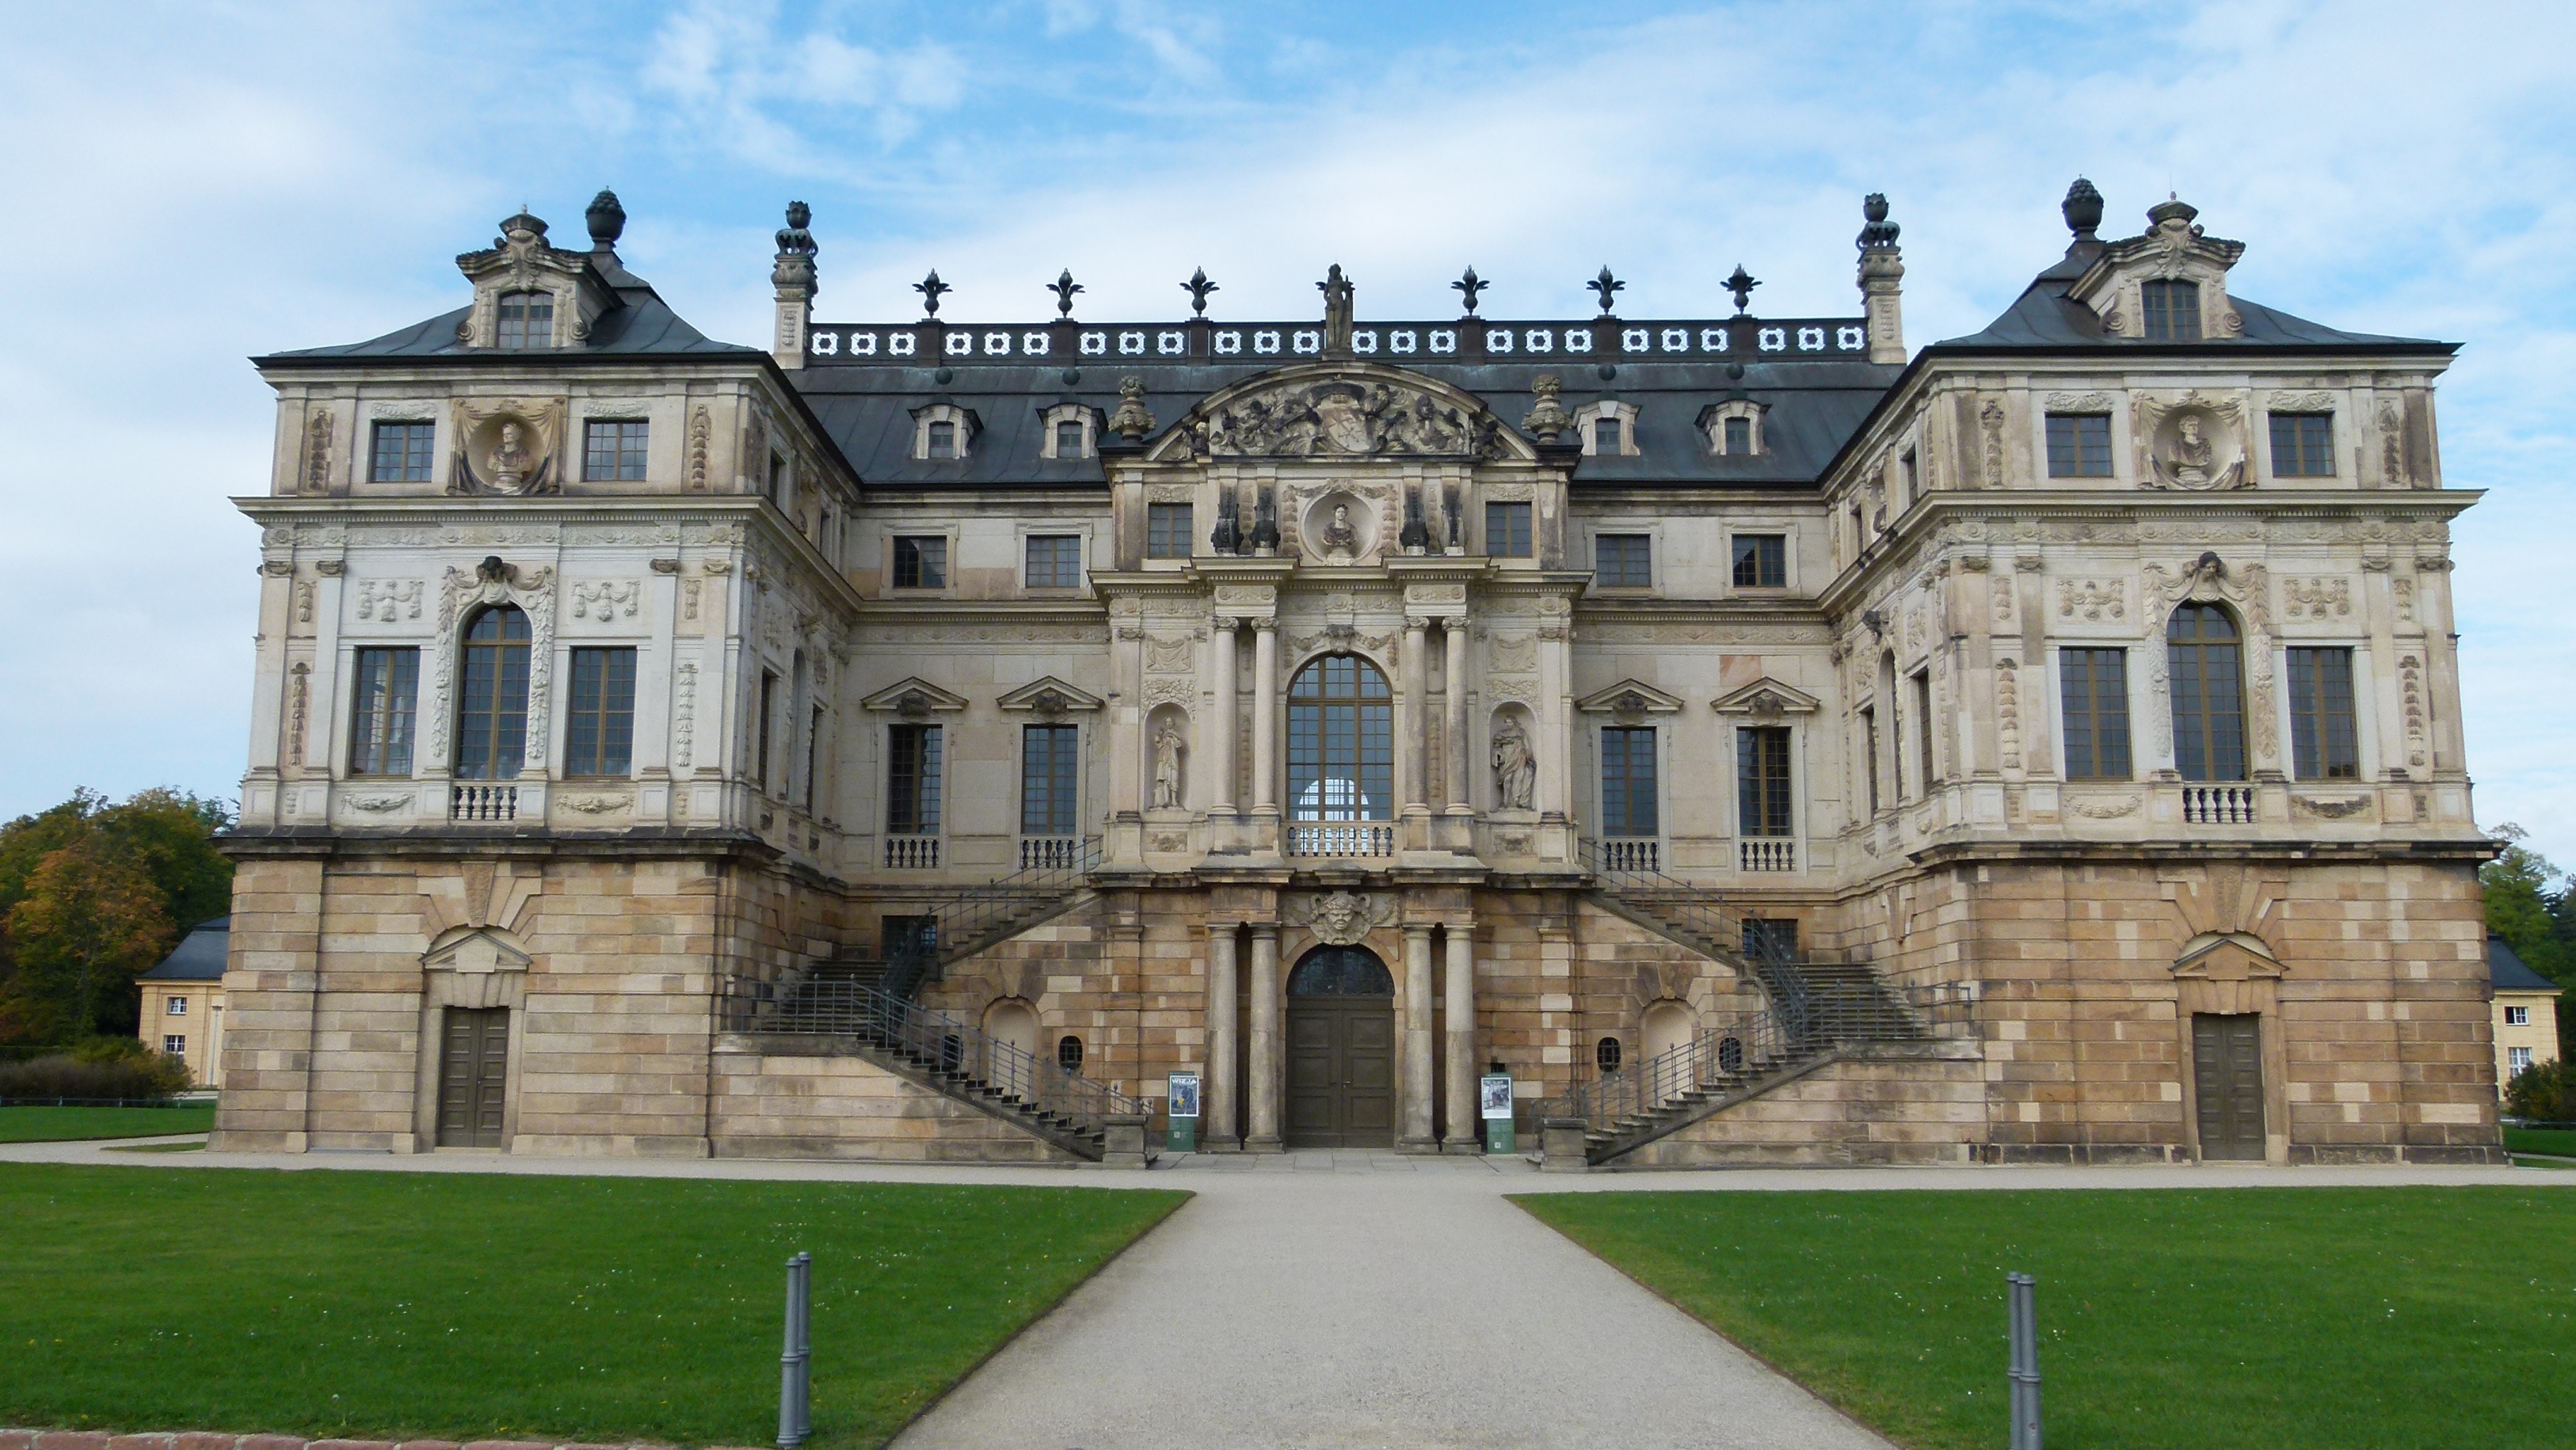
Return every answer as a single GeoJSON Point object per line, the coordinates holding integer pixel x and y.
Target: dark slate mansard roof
{"type": "Point", "coordinates": [2507, 972]}
{"type": "Point", "coordinates": [199, 956]}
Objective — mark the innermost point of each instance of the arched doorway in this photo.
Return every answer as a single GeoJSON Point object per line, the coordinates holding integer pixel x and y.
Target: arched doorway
{"type": "Point", "coordinates": [1341, 1050]}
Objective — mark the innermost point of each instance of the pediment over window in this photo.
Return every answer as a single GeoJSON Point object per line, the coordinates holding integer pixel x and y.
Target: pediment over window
{"type": "Point", "coordinates": [556, 294]}
{"type": "Point", "coordinates": [2234, 956]}
{"type": "Point", "coordinates": [1629, 697]}
{"type": "Point", "coordinates": [913, 696]}
{"type": "Point", "coordinates": [479, 949]}
{"type": "Point", "coordinates": [1048, 695]}
{"type": "Point", "coordinates": [1766, 699]}
{"type": "Point", "coordinates": [2172, 250]}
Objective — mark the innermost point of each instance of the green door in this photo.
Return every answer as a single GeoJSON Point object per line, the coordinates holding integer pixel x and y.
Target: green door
{"type": "Point", "coordinates": [2227, 1077]}
{"type": "Point", "coordinates": [473, 1077]}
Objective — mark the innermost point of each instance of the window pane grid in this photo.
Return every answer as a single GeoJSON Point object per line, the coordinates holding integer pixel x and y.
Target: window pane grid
{"type": "Point", "coordinates": [913, 781]}
{"type": "Point", "coordinates": [920, 563]}
{"type": "Point", "coordinates": [401, 453]}
{"type": "Point", "coordinates": [613, 450]}
{"type": "Point", "coordinates": [1762, 781]}
{"type": "Point", "coordinates": [1341, 742]}
{"type": "Point", "coordinates": [1628, 781]}
{"type": "Point", "coordinates": [1623, 561]}
{"type": "Point", "coordinates": [2079, 445]}
{"type": "Point", "coordinates": [527, 319]}
{"type": "Point", "coordinates": [599, 735]}
{"type": "Point", "coordinates": [2172, 311]}
{"type": "Point", "coordinates": [1055, 561]}
{"type": "Point", "coordinates": [1739, 435]}
{"type": "Point", "coordinates": [388, 694]}
{"type": "Point", "coordinates": [1167, 530]}
{"type": "Point", "coordinates": [492, 713]}
{"type": "Point", "coordinates": [2208, 694]}
{"type": "Point", "coordinates": [2323, 743]}
{"type": "Point", "coordinates": [2094, 691]}
{"type": "Point", "coordinates": [2303, 445]}
{"type": "Point", "coordinates": [1507, 530]}
{"type": "Point", "coordinates": [1761, 561]}
{"type": "Point", "coordinates": [1048, 755]}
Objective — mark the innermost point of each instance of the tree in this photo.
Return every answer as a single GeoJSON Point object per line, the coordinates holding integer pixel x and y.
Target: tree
{"type": "Point", "coordinates": [2537, 922]}
{"type": "Point", "coordinates": [89, 922]}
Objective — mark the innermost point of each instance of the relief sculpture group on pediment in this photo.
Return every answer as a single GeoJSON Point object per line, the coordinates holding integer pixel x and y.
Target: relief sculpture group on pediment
{"type": "Point", "coordinates": [1346, 417]}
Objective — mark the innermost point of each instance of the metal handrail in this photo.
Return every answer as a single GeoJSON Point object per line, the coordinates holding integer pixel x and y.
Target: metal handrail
{"type": "Point", "coordinates": [961, 919]}
{"type": "Point", "coordinates": [856, 1012]}
{"type": "Point", "coordinates": [1693, 909]}
{"type": "Point", "coordinates": [1737, 1050]}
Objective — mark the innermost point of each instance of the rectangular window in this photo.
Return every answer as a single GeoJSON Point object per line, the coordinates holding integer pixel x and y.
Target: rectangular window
{"type": "Point", "coordinates": [777, 480]}
{"type": "Point", "coordinates": [401, 453]}
{"type": "Point", "coordinates": [813, 752]}
{"type": "Point", "coordinates": [2303, 445]}
{"type": "Point", "coordinates": [1167, 531]}
{"type": "Point", "coordinates": [1924, 769]}
{"type": "Point", "coordinates": [1739, 435]}
{"type": "Point", "coordinates": [1761, 561]}
{"type": "Point", "coordinates": [2323, 745]}
{"type": "Point", "coordinates": [2093, 686]}
{"type": "Point", "coordinates": [1623, 561]}
{"type": "Point", "coordinates": [1605, 435]}
{"type": "Point", "coordinates": [2172, 311]}
{"type": "Point", "coordinates": [527, 319]}
{"type": "Point", "coordinates": [1507, 530]}
{"type": "Point", "coordinates": [1907, 487]}
{"type": "Point", "coordinates": [2513, 1016]}
{"type": "Point", "coordinates": [1049, 762]}
{"type": "Point", "coordinates": [768, 725]}
{"type": "Point", "coordinates": [942, 441]}
{"type": "Point", "coordinates": [599, 736]}
{"type": "Point", "coordinates": [179, 1007]}
{"type": "Point", "coordinates": [175, 1044]}
{"type": "Point", "coordinates": [1068, 439]}
{"type": "Point", "coordinates": [902, 934]}
{"type": "Point", "coordinates": [380, 724]}
{"type": "Point", "coordinates": [1771, 938]}
{"type": "Point", "coordinates": [1869, 754]}
{"type": "Point", "coordinates": [912, 781]}
{"type": "Point", "coordinates": [613, 450]}
{"type": "Point", "coordinates": [1627, 781]}
{"type": "Point", "coordinates": [1055, 561]}
{"type": "Point", "coordinates": [1762, 781]}
{"type": "Point", "coordinates": [2079, 445]}
{"type": "Point", "coordinates": [2517, 1060]}
{"type": "Point", "coordinates": [920, 563]}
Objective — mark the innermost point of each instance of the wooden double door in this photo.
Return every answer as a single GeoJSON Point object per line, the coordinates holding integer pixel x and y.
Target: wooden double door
{"type": "Point", "coordinates": [1341, 1051]}
{"type": "Point", "coordinates": [2227, 1078]}
{"type": "Point", "coordinates": [473, 1077]}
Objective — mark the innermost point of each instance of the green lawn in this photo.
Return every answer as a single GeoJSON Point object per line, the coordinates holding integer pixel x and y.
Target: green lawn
{"type": "Point", "coordinates": [2561, 1141]}
{"type": "Point", "coordinates": [2333, 1318]}
{"type": "Point", "coordinates": [52, 1125]}
{"type": "Point", "coordinates": [463, 1306]}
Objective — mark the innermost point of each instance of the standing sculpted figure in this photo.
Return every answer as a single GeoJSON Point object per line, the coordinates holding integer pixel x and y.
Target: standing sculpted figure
{"type": "Point", "coordinates": [1515, 769]}
{"type": "Point", "coordinates": [1167, 768]}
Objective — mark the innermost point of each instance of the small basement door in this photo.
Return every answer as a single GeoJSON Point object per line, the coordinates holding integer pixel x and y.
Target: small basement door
{"type": "Point", "coordinates": [473, 1076]}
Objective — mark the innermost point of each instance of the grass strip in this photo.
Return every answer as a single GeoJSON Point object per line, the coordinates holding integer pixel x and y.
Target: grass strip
{"type": "Point", "coordinates": [466, 1306]}
{"type": "Point", "coordinates": [59, 1125]}
{"type": "Point", "coordinates": [2560, 1142]}
{"type": "Point", "coordinates": [2292, 1318]}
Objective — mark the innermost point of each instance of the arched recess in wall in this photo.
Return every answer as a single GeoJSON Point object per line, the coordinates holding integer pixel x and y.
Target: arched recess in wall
{"type": "Point", "coordinates": [1012, 1025]}
{"type": "Point", "coordinates": [1667, 1025]}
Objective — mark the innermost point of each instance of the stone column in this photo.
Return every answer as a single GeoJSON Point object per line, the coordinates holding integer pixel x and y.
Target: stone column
{"type": "Point", "coordinates": [1216, 1096]}
{"type": "Point", "coordinates": [1459, 1123]}
{"type": "Point", "coordinates": [1453, 635]}
{"type": "Point", "coordinates": [1555, 724]}
{"type": "Point", "coordinates": [1417, 1040]}
{"type": "Point", "coordinates": [1221, 721]}
{"type": "Point", "coordinates": [1266, 1084]}
{"type": "Point", "coordinates": [1417, 722]}
{"type": "Point", "coordinates": [1265, 722]}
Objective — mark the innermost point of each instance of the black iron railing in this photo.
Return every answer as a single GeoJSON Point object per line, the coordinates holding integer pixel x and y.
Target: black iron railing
{"type": "Point", "coordinates": [966, 921]}
{"type": "Point", "coordinates": [968, 1058]}
{"type": "Point", "coordinates": [1769, 949]}
{"type": "Point", "coordinates": [1732, 1052]}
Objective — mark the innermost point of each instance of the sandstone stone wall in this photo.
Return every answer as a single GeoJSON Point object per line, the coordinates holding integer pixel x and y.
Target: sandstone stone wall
{"type": "Point", "coordinates": [774, 1105]}
{"type": "Point", "coordinates": [1914, 1103]}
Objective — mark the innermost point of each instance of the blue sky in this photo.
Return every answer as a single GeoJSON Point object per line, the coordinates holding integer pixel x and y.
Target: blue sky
{"type": "Point", "coordinates": [193, 185]}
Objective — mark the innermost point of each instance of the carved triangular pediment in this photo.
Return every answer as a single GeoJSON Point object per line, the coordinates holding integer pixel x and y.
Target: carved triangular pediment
{"type": "Point", "coordinates": [1629, 697]}
{"type": "Point", "coordinates": [1048, 695]}
{"type": "Point", "coordinates": [2227, 957]}
{"type": "Point", "coordinates": [913, 695]}
{"type": "Point", "coordinates": [1351, 410]}
{"type": "Point", "coordinates": [1766, 698]}
{"type": "Point", "coordinates": [480, 949]}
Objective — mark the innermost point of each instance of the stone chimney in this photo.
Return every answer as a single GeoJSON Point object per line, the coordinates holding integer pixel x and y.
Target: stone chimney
{"type": "Point", "coordinates": [794, 276]}
{"type": "Point", "coordinates": [1882, 271]}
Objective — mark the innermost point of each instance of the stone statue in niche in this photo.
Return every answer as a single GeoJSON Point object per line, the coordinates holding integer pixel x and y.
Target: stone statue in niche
{"type": "Point", "coordinates": [511, 460]}
{"type": "Point", "coordinates": [1339, 537]}
{"type": "Point", "coordinates": [1515, 769]}
{"type": "Point", "coordinates": [1167, 768]}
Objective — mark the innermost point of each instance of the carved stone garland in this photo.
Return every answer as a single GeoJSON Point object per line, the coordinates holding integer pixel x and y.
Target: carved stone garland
{"type": "Point", "coordinates": [2209, 581]}
{"type": "Point", "coordinates": [534, 593]}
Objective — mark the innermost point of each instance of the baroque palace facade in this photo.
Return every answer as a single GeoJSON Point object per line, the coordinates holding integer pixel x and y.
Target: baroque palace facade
{"type": "Point", "coordinates": [921, 740]}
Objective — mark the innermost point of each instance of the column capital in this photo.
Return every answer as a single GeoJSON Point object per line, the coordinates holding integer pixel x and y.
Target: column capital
{"type": "Point", "coordinates": [1417, 624]}
{"type": "Point", "coordinates": [1266, 623]}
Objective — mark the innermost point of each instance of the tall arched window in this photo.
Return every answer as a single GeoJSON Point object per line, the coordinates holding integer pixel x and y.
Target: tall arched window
{"type": "Point", "coordinates": [2208, 693]}
{"type": "Point", "coordinates": [1341, 742]}
{"type": "Point", "coordinates": [492, 708]}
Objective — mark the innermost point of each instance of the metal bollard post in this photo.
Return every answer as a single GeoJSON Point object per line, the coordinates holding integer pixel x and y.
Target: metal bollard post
{"type": "Point", "coordinates": [795, 1381]}
{"type": "Point", "coordinates": [2021, 1293]}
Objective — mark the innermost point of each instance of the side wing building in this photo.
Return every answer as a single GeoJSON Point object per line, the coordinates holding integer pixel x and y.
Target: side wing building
{"type": "Point", "coordinates": [1761, 743]}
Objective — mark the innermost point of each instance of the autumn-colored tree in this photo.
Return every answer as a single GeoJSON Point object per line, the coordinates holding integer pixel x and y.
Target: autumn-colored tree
{"type": "Point", "coordinates": [89, 923]}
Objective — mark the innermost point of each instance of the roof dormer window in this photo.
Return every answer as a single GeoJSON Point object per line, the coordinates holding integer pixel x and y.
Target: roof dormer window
{"type": "Point", "coordinates": [2170, 310]}
{"type": "Point", "coordinates": [1608, 429]}
{"type": "Point", "coordinates": [527, 319]}
{"type": "Point", "coordinates": [1734, 427]}
{"type": "Point", "coordinates": [1069, 431]}
{"type": "Point", "coordinates": [1738, 436]}
{"type": "Point", "coordinates": [942, 442]}
{"type": "Point", "coordinates": [1605, 435]}
{"type": "Point", "coordinates": [943, 432]}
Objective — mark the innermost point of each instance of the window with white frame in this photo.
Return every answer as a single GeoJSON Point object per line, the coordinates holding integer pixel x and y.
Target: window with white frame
{"type": "Point", "coordinates": [1068, 430]}
{"type": "Point", "coordinates": [174, 1044]}
{"type": "Point", "coordinates": [1734, 428]}
{"type": "Point", "coordinates": [2517, 1060]}
{"type": "Point", "coordinates": [1608, 428]}
{"type": "Point", "coordinates": [2513, 1016]}
{"type": "Point", "coordinates": [943, 432]}
{"type": "Point", "coordinates": [179, 1007]}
